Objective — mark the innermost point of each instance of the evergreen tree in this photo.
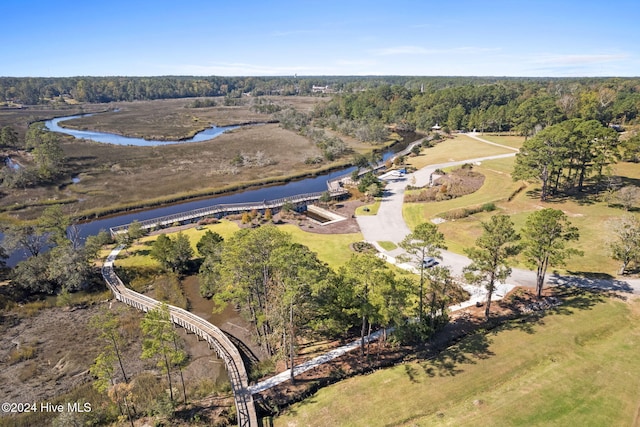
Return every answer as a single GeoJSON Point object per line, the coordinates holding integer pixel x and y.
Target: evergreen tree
{"type": "Point", "coordinates": [544, 236]}
{"type": "Point", "coordinates": [490, 257]}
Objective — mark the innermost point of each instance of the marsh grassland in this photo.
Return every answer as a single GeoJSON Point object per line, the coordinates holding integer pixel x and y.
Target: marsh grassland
{"type": "Point", "coordinates": [115, 177]}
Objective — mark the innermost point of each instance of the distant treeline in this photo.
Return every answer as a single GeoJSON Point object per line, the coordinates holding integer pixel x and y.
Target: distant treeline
{"type": "Point", "coordinates": [40, 90]}
{"type": "Point", "coordinates": [37, 90]}
{"type": "Point", "coordinates": [522, 104]}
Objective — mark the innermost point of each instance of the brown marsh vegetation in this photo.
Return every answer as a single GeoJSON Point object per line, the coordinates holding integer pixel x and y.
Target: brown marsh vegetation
{"type": "Point", "coordinates": [114, 177]}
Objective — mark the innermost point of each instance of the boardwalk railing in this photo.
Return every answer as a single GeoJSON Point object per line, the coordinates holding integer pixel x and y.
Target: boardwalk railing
{"type": "Point", "coordinates": [334, 187]}
{"type": "Point", "coordinates": [246, 411]}
{"type": "Point", "coordinates": [336, 183]}
{"type": "Point", "coordinates": [224, 209]}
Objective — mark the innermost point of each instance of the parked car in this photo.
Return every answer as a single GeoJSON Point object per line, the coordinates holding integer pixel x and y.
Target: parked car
{"type": "Point", "coordinates": [429, 262]}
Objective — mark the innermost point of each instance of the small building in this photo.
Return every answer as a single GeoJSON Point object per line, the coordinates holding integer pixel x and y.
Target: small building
{"type": "Point", "coordinates": [436, 127]}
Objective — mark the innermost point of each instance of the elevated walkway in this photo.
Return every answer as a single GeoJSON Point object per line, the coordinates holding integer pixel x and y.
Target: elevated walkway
{"type": "Point", "coordinates": [217, 340]}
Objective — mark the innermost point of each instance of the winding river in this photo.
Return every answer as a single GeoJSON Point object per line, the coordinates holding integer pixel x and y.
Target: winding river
{"type": "Point", "coordinates": [112, 138]}
{"type": "Point", "coordinates": [306, 185]}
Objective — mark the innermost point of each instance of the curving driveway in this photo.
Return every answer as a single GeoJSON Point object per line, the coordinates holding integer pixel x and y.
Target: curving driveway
{"type": "Point", "coordinates": [389, 225]}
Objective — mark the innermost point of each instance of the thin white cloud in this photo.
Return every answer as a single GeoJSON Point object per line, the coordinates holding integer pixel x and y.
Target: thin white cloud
{"type": "Point", "coordinates": [418, 50]}
{"type": "Point", "coordinates": [404, 50]}
{"type": "Point", "coordinates": [585, 59]}
{"type": "Point", "coordinates": [352, 62]}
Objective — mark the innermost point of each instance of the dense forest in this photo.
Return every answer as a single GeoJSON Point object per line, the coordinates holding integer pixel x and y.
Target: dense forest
{"type": "Point", "coordinates": [33, 91]}
{"type": "Point", "coordinates": [496, 104]}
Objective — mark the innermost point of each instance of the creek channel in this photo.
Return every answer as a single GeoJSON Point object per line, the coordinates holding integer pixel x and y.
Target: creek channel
{"type": "Point", "coordinates": [305, 185]}
{"type": "Point", "coordinates": [229, 319]}
{"type": "Point", "coordinates": [112, 138]}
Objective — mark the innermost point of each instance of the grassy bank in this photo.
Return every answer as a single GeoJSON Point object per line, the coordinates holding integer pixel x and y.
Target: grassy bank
{"type": "Point", "coordinates": [576, 366]}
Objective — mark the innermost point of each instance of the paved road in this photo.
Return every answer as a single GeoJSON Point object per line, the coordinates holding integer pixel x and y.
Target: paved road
{"type": "Point", "coordinates": [389, 225]}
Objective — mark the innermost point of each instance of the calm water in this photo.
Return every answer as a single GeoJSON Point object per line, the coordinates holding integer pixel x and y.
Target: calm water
{"type": "Point", "coordinates": [111, 138]}
{"type": "Point", "coordinates": [307, 185]}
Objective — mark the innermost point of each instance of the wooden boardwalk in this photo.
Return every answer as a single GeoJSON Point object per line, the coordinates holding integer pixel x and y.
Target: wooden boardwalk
{"type": "Point", "coordinates": [338, 183]}
{"type": "Point", "coordinates": [246, 411]}
{"type": "Point", "coordinates": [225, 209]}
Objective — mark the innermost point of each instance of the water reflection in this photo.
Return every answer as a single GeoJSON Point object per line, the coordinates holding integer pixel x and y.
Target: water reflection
{"type": "Point", "coordinates": [111, 138]}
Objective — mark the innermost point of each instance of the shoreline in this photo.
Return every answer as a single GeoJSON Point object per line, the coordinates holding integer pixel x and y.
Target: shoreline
{"type": "Point", "coordinates": [144, 205]}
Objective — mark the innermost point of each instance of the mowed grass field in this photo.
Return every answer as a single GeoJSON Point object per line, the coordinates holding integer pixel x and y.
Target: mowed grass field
{"type": "Point", "coordinates": [593, 217]}
{"type": "Point", "coordinates": [330, 248]}
{"type": "Point", "coordinates": [460, 147]}
{"type": "Point", "coordinates": [577, 366]}
{"type": "Point", "coordinates": [514, 141]}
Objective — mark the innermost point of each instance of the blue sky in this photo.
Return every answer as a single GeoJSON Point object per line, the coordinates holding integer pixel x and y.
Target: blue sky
{"type": "Point", "coordinates": [560, 38]}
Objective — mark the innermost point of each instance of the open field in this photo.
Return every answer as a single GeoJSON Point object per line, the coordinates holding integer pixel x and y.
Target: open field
{"type": "Point", "coordinates": [114, 177]}
{"type": "Point", "coordinates": [592, 217]}
{"type": "Point", "coordinates": [331, 248]}
{"type": "Point", "coordinates": [514, 141]}
{"type": "Point", "coordinates": [575, 366]}
{"type": "Point", "coordinates": [459, 147]}
{"type": "Point", "coordinates": [497, 185]}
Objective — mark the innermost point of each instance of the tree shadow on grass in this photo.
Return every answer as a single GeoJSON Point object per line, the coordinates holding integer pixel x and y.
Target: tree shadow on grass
{"type": "Point", "coordinates": [595, 283]}
{"type": "Point", "coordinates": [448, 363]}
{"type": "Point", "coordinates": [141, 252]}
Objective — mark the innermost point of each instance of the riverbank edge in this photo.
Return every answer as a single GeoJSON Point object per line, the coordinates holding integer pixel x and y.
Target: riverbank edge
{"type": "Point", "coordinates": [115, 210]}
{"type": "Point", "coordinates": [64, 124]}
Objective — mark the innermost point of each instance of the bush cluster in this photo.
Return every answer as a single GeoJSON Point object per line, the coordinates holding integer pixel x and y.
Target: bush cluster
{"type": "Point", "coordinates": [465, 212]}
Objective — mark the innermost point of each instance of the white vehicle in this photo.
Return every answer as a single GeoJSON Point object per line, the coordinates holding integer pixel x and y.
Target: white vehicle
{"type": "Point", "coordinates": [429, 262]}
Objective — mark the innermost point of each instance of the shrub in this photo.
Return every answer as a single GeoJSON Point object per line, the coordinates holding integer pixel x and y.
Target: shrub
{"type": "Point", "coordinates": [489, 207]}
{"type": "Point", "coordinates": [428, 195]}
{"type": "Point", "coordinates": [24, 352]}
{"type": "Point", "coordinates": [208, 220]}
{"type": "Point", "coordinates": [261, 369]}
{"type": "Point", "coordinates": [363, 247]}
{"type": "Point", "coordinates": [516, 192]}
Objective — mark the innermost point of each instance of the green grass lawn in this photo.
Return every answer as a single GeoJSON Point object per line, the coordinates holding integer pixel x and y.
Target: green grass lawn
{"type": "Point", "coordinates": [331, 248]}
{"type": "Point", "coordinates": [593, 218]}
{"type": "Point", "coordinates": [460, 147]}
{"type": "Point", "coordinates": [514, 141]}
{"type": "Point", "coordinates": [373, 209]}
{"type": "Point", "coordinates": [497, 185]}
{"type": "Point", "coordinates": [387, 246]}
{"type": "Point", "coordinates": [575, 367]}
